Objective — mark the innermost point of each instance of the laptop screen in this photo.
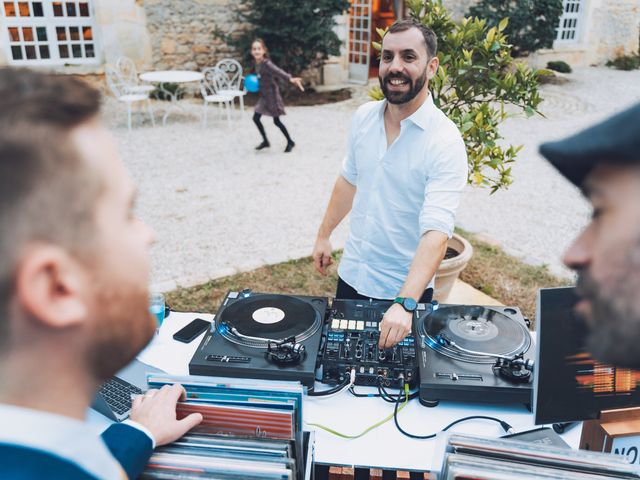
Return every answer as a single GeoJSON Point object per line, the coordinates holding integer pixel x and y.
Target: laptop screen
{"type": "Point", "coordinates": [569, 385]}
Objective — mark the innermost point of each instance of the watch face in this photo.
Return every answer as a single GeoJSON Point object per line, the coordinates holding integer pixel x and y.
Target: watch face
{"type": "Point", "coordinates": [409, 304]}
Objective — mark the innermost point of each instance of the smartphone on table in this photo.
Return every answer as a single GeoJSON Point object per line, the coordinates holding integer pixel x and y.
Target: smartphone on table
{"type": "Point", "coordinates": [192, 330]}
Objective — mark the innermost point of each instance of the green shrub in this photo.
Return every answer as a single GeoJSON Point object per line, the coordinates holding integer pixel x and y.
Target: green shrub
{"type": "Point", "coordinates": [476, 80]}
{"type": "Point", "coordinates": [559, 66]}
{"type": "Point", "coordinates": [532, 23]}
{"type": "Point", "coordinates": [625, 62]}
{"type": "Point", "coordinates": [297, 33]}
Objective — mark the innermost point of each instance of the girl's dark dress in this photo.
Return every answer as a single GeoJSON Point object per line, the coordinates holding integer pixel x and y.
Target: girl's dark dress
{"type": "Point", "coordinates": [270, 102]}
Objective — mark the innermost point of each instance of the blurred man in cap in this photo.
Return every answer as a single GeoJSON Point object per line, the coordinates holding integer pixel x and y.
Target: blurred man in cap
{"type": "Point", "coordinates": [604, 161]}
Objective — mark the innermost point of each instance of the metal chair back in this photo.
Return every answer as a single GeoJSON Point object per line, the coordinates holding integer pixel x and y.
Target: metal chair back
{"type": "Point", "coordinates": [126, 70]}
{"type": "Point", "coordinates": [114, 82]}
{"type": "Point", "coordinates": [213, 81]}
{"type": "Point", "coordinates": [232, 71]}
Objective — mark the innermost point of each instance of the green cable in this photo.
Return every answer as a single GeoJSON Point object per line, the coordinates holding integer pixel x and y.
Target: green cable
{"type": "Point", "coordinates": [368, 429]}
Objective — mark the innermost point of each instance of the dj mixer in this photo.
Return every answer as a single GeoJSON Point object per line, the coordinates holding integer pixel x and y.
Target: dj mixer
{"type": "Point", "coordinates": [352, 343]}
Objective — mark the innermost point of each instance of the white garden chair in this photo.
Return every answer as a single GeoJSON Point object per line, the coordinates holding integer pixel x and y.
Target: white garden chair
{"type": "Point", "coordinates": [233, 80]}
{"type": "Point", "coordinates": [126, 70]}
{"type": "Point", "coordinates": [211, 89]}
{"type": "Point", "coordinates": [119, 90]}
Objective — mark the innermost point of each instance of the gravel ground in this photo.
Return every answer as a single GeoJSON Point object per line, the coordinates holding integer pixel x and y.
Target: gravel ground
{"type": "Point", "coordinates": [539, 215]}
{"type": "Point", "coordinates": [219, 207]}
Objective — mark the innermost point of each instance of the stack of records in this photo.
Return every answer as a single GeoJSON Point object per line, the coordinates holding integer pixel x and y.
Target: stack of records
{"type": "Point", "coordinates": [465, 456]}
{"type": "Point", "coordinates": [252, 429]}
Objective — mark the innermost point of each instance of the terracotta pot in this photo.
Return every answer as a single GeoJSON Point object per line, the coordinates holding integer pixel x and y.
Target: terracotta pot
{"type": "Point", "coordinates": [450, 268]}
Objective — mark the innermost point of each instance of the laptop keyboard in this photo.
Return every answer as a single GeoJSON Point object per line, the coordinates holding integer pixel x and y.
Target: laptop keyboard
{"type": "Point", "coordinates": [117, 393]}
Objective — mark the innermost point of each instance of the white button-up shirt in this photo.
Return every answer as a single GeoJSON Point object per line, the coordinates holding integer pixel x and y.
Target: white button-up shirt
{"type": "Point", "coordinates": [402, 191]}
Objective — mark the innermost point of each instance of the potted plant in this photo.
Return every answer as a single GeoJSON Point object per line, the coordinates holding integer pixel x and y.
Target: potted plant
{"type": "Point", "coordinates": [476, 80]}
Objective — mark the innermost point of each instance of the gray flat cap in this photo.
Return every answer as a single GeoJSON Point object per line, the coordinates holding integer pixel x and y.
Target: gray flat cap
{"type": "Point", "coordinates": [614, 141]}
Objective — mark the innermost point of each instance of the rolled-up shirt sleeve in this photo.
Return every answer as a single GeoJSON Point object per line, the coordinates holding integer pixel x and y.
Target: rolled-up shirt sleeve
{"type": "Point", "coordinates": [349, 170]}
{"type": "Point", "coordinates": [446, 180]}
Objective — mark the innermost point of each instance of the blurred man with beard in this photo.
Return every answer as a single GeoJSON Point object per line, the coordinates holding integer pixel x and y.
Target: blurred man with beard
{"type": "Point", "coordinates": [74, 270]}
{"type": "Point", "coordinates": [604, 161]}
{"type": "Point", "coordinates": [404, 172]}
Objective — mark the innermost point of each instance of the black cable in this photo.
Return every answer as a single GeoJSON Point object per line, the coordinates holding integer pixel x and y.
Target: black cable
{"type": "Point", "coordinates": [507, 428]}
{"type": "Point", "coordinates": [331, 391]}
{"type": "Point", "coordinates": [411, 395]}
{"type": "Point", "coordinates": [353, 392]}
{"type": "Point", "coordinates": [383, 392]}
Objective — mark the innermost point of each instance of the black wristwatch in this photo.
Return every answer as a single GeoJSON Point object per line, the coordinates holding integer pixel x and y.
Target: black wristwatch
{"type": "Point", "coordinates": [408, 303]}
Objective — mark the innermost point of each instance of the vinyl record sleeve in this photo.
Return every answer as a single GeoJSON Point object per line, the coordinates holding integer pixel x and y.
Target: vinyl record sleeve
{"type": "Point", "coordinates": [257, 391]}
{"type": "Point", "coordinates": [232, 420]}
{"type": "Point", "coordinates": [459, 466]}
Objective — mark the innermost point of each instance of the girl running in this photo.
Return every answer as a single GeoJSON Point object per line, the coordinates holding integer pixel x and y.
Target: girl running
{"type": "Point", "coordinates": [270, 102]}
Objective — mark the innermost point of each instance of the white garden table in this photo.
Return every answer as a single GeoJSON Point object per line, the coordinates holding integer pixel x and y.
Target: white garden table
{"type": "Point", "coordinates": [178, 77]}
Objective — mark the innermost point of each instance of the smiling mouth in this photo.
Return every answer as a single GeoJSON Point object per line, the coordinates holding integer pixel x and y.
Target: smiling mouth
{"type": "Point", "coordinates": [397, 82]}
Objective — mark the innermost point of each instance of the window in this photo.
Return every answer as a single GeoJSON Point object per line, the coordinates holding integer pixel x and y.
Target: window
{"type": "Point", "coordinates": [49, 32]}
{"type": "Point", "coordinates": [570, 21]}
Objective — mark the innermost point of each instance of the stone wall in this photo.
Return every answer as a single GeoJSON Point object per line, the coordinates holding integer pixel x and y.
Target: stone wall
{"type": "Point", "coordinates": [122, 31]}
{"type": "Point", "coordinates": [182, 32]}
{"type": "Point", "coordinates": [614, 29]}
{"type": "Point", "coordinates": [611, 28]}
{"type": "Point", "coordinates": [459, 8]}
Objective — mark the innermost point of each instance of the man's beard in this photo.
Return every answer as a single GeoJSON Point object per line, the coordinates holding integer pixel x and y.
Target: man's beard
{"type": "Point", "coordinates": [615, 331]}
{"type": "Point", "coordinates": [398, 98]}
{"type": "Point", "coordinates": [124, 327]}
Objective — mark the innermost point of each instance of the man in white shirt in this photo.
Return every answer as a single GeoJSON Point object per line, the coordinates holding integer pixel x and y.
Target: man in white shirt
{"type": "Point", "coordinates": [74, 272]}
{"type": "Point", "coordinates": [404, 172]}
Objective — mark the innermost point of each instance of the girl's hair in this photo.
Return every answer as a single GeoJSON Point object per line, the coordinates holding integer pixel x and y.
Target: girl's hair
{"type": "Point", "coordinates": [264, 46]}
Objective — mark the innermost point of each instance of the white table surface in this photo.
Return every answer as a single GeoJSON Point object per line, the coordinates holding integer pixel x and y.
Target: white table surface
{"type": "Point", "coordinates": [171, 76]}
{"type": "Point", "coordinates": [384, 446]}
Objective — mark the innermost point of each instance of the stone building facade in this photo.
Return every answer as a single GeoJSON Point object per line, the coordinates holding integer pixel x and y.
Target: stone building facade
{"type": "Point", "coordinates": [81, 36]}
{"type": "Point", "coordinates": [156, 34]}
{"type": "Point", "coordinates": [595, 31]}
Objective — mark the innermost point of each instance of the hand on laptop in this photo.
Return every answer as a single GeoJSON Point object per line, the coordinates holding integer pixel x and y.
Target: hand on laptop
{"type": "Point", "coordinates": [156, 411]}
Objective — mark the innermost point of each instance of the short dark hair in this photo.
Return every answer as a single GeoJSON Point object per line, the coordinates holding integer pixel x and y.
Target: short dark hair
{"type": "Point", "coordinates": [430, 39]}
{"type": "Point", "coordinates": [48, 192]}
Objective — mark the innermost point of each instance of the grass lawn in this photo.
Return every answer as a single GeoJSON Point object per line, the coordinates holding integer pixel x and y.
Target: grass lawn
{"type": "Point", "coordinates": [492, 271]}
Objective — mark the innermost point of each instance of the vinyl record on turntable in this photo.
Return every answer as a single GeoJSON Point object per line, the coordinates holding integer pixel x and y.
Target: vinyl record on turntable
{"type": "Point", "coordinates": [255, 320]}
{"type": "Point", "coordinates": [474, 329]}
{"type": "Point", "coordinates": [474, 353]}
{"type": "Point", "coordinates": [263, 336]}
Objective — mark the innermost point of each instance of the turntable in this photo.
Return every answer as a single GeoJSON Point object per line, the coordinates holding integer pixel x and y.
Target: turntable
{"type": "Point", "coordinates": [474, 354]}
{"type": "Point", "coordinates": [265, 336]}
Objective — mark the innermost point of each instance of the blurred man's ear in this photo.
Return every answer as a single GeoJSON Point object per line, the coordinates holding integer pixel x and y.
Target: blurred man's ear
{"type": "Point", "coordinates": [50, 287]}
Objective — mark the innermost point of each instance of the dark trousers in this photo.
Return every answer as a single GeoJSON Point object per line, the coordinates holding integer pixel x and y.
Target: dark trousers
{"type": "Point", "coordinates": [344, 290]}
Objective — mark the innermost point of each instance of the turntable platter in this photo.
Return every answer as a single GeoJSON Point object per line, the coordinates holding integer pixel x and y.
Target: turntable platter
{"type": "Point", "coordinates": [255, 320]}
{"type": "Point", "coordinates": [477, 329]}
